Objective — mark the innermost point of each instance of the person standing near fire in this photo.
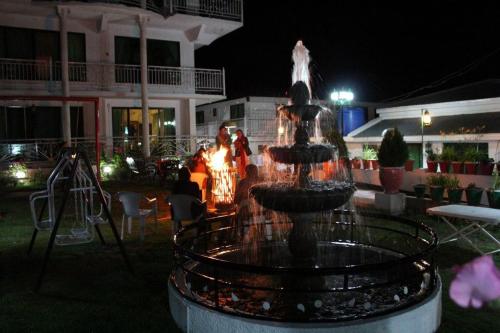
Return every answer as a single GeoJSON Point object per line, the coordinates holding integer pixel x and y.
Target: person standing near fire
{"type": "Point", "coordinates": [223, 139]}
{"type": "Point", "coordinates": [242, 152]}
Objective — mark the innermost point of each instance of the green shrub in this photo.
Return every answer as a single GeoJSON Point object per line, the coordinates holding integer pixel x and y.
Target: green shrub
{"type": "Point", "coordinates": [438, 180]}
{"type": "Point", "coordinates": [369, 153]}
{"type": "Point", "coordinates": [452, 183]}
{"type": "Point", "coordinates": [448, 154]}
{"type": "Point", "coordinates": [471, 155]}
{"type": "Point", "coordinates": [393, 151]}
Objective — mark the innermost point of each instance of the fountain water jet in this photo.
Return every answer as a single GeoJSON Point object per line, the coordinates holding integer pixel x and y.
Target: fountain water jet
{"type": "Point", "coordinates": [300, 263]}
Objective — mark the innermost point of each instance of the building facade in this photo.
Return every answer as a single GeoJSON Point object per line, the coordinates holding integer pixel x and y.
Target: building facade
{"type": "Point", "coordinates": [461, 117]}
{"type": "Point", "coordinates": [135, 56]}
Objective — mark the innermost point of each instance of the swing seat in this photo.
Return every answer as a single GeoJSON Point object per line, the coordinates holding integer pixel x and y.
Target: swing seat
{"type": "Point", "coordinates": [76, 237]}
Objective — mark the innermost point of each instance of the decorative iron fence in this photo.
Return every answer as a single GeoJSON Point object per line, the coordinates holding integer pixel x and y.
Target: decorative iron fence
{"type": "Point", "coordinates": [221, 9]}
{"type": "Point", "coordinates": [37, 150]}
{"type": "Point", "coordinates": [101, 76]}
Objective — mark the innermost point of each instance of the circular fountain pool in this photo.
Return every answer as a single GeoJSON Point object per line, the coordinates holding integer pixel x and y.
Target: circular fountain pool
{"type": "Point", "coordinates": [369, 267]}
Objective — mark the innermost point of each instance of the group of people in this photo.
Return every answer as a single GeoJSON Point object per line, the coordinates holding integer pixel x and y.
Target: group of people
{"type": "Point", "coordinates": [248, 172]}
{"type": "Point", "coordinates": [241, 149]}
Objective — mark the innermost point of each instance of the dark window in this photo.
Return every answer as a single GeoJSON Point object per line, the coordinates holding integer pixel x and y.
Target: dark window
{"type": "Point", "coordinates": [29, 44]}
{"type": "Point", "coordinates": [163, 53]}
{"type": "Point", "coordinates": [76, 121]}
{"type": "Point", "coordinates": [76, 47]}
{"type": "Point", "coordinates": [214, 112]}
{"type": "Point", "coordinates": [30, 122]}
{"type": "Point", "coordinates": [127, 51]}
{"type": "Point", "coordinates": [200, 117]}
{"type": "Point", "coordinates": [237, 111]}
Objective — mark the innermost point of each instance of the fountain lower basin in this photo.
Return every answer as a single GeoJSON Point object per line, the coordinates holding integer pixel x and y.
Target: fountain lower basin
{"type": "Point", "coordinates": [355, 281]}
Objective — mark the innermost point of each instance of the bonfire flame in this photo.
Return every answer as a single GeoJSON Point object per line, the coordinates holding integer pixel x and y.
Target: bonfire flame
{"type": "Point", "coordinates": [223, 180]}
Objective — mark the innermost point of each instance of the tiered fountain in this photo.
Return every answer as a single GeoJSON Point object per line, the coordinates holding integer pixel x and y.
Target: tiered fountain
{"type": "Point", "coordinates": [301, 263]}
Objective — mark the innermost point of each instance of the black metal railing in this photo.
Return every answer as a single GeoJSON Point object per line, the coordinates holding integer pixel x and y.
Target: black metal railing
{"type": "Point", "coordinates": [307, 292]}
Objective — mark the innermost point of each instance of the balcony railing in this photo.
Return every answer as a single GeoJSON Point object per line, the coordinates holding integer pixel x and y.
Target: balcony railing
{"type": "Point", "coordinates": [220, 9]}
{"type": "Point", "coordinates": [39, 150]}
{"type": "Point", "coordinates": [109, 77]}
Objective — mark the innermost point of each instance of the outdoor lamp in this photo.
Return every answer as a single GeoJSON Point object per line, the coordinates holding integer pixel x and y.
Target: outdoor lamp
{"type": "Point", "coordinates": [342, 96]}
{"type": "Point", "coordinates": [425, 121]}
{"type": "Point", "coordinates": [426, 118]}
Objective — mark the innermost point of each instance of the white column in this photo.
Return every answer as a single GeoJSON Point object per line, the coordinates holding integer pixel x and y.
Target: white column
{"type": "Point", "coordinates": [144, 86]}
{"type": "Point", "coordinates": [65, 111]}
{"type": "Point", "coordinates": [191, 106]}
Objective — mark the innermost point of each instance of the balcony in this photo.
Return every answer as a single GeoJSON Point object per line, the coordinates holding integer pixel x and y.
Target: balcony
{"type": "Point", "coordinates": [231, 10]}
{"type": "Point", "coordinates": [18, 74]}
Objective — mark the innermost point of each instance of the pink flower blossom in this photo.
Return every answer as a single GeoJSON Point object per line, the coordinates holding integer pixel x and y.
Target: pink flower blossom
{"type": "Point", "coordinates": [476, 282]}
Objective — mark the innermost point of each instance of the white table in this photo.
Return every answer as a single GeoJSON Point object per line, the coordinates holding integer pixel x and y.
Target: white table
{"type": "Point", "coordinates": [478, 218]}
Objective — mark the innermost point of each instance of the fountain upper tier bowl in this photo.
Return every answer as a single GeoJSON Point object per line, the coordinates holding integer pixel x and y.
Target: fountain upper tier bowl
{"type": "Point", "coordinates": [286, 197]}
{"type": "Point", "coordinates": [300, 154]}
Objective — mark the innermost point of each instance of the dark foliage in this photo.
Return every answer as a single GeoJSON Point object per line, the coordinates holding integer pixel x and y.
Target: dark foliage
{"type": "Point", "coordinates": [393, 151]}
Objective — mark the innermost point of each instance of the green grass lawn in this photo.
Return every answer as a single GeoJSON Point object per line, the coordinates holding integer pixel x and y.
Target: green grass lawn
{"type": "Point", "coordinates": [87, 288]}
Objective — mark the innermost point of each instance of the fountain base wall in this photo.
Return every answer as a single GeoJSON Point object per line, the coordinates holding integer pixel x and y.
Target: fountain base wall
{"type": "Point", "coordinates": [419, 318]}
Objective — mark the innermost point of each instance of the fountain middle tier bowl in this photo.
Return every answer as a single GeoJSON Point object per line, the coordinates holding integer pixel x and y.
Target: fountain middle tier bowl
{"type": "Point", "coordinates": [286, 197]}
{"type": "Point", "coordinates": [298, 154]}
{"type": "Point", "coordinates": [299, 113]}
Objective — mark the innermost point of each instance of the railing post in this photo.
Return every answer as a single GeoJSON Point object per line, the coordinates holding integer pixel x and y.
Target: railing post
{"type": "Point", "coordinates": [144, 86]}
{"type": "Point", "coordinates": [241, 12]}
{"type": "Point", "coordinates": [223, 81]}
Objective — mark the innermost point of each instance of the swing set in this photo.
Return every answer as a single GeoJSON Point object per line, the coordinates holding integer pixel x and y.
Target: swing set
{"type": "Point", "coordinates": [72, 179]}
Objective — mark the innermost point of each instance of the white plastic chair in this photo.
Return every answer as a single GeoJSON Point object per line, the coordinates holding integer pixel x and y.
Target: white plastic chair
{"type": "Point", "coordinates": [201, 179]}
{"type": "Point", "coordinates": [130, 202]}
{"type": "Point", "coordinates": [182, 210]}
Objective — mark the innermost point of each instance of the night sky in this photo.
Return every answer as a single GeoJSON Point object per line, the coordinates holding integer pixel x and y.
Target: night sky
{"type": "Point", "coordinates": [379, 49]}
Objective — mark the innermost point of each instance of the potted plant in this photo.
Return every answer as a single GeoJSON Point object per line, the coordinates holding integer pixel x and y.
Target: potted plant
{"type": "Point", "coordinates": [419, 190]}
{"type": "Point", "coordinates": [437, 184]}
{"type": "Point", "coordinates": [486, 164]}
{"type": "Point", "coordinates": [431, 160]}
{"type": "Point", "coordinates": [392, 155]}
{"type": "Point", "coordinates": [447, 155]}
{"type": "Point", "coordinates": [493, 193]}
{"type": "Point", "coordinates": [356, 162]}
{"type": "Point", "coordinates": [369, 155]}
{"type": "Point", "coordinates": [457, 164]}
{"type": "Point", "coordinates": [470, 158]}
{"type": "Point", "coordinates": [473, 194]}
{"type": "Point", "coordinates": [454, 190]}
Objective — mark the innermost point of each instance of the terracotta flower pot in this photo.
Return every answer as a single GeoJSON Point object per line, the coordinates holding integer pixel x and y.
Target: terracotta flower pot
{"type": "Point", "coordinates": [470, 168]}
{"type": "Point", "coordinates": [444, 166]}
{"type": "Point", "coordinates": [366, 164]}
{"type": "Point", "coordinates": [375, 165]}
{"type": "Point", "coordinates": [409, 165]}
{"type": "Point", "coordinates": [356, 164]}
{"type": "Point", "coordinates": [431, 166]}
{"type": "Point", "coordinates": [457, 167]}
{"type": "Point", "coordinates": [391, 179]}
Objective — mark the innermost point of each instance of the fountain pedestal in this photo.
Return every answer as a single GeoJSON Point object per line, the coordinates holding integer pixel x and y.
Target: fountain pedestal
{"type": "Point", "coordinates": [394, 204]}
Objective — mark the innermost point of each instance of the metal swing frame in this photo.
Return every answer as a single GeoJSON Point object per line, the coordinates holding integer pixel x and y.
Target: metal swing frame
{"type": "Point", "coordinates": [70, 159]}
